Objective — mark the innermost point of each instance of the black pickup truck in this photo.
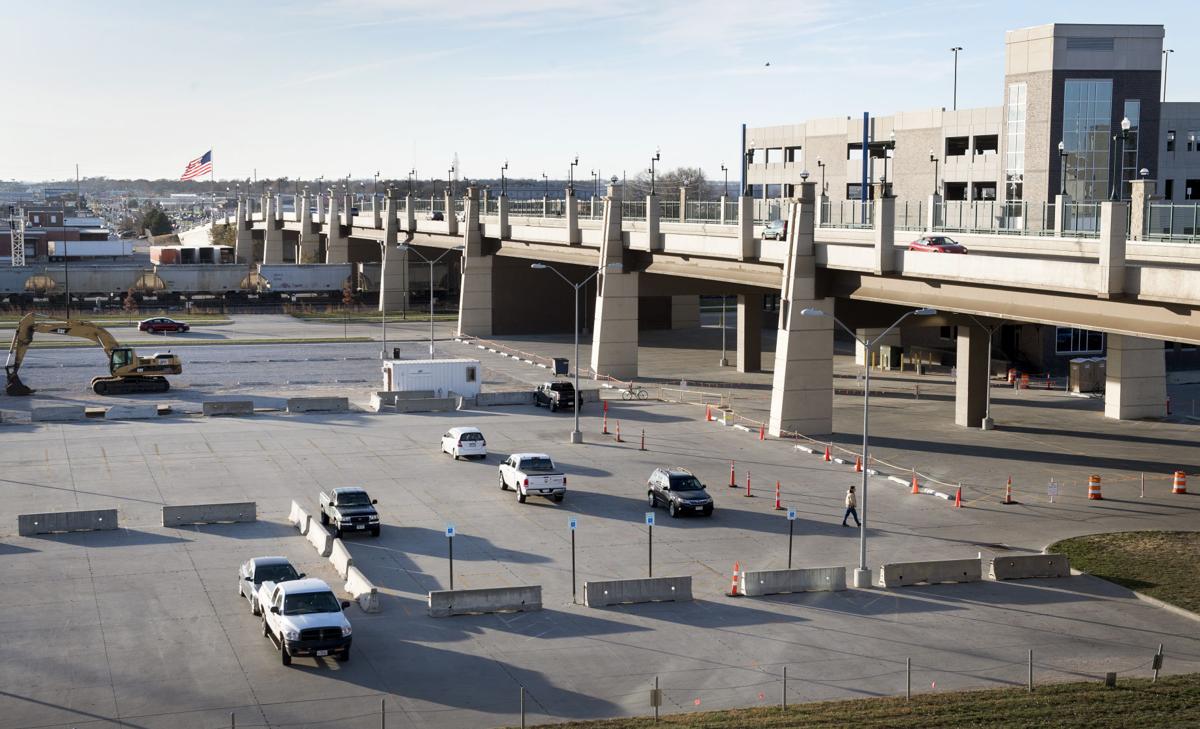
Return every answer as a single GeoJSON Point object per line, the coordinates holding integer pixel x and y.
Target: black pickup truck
{"type": "Point", "coordinates": [555, 395]}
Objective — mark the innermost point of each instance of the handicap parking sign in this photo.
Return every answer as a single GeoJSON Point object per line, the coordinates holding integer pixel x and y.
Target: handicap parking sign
{"type": "Point", "coordinates": [450, 530]}
{"type": "Point", "coordinates": [572, 523]}
{"type": "Point", "coordinates": [649, 518]}
{"type": "Point", "coordinates": [791, 515]}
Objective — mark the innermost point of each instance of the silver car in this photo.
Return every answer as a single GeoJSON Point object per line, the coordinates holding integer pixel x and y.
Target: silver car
{"type": "Point", "coordinates": [258, 570]}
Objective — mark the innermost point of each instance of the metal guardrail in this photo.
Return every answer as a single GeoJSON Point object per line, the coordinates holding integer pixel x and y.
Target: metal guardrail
{"type": "Point", "coordinates": [633, 210]}
{"type": "Point", "coordinates": [1172, 223]}
{"type": "Point", "coordinates": [847, 214]}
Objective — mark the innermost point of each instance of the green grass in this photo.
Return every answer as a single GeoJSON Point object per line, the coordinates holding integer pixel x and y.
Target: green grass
{"type": "Point", "coordinates": [172, 343]}
{"type": "Point", "coordinates": [1163, 565]}
{"type": "Point", "coordinates": [1172, 702]}
{"type": "Point", "coordinates": [359, 317]}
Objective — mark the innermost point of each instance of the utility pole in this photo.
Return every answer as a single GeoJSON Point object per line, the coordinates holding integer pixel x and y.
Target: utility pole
{"type": "Point", "coordinates": [954, 104]}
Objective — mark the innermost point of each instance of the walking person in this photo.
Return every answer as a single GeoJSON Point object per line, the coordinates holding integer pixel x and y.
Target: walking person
{"type": "Point", "coordinates": [851, 508]}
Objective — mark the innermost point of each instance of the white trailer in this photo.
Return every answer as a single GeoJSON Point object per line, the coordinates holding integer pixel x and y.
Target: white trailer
{"type": "Point", "coordinates": [438, 376]}
{"type": "Point", "coordinates": [113, 248]}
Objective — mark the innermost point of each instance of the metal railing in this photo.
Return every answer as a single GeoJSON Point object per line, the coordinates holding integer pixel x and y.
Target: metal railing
{"type": "Point", "coordinates": [1082, 219]}
{"type": "Point", "coordinates": [668, 210]}
{"type": "Point", "coordinates": [910, 215]}
{"type": "Point", "coordinates": [993, 216]}
{"type": "Point", "coordinates": [701, 211]}
{"type": "Point", "coordinates": [527, 208]}
{"type": "Point", "coordinates": [847, 214]}
{"type": "Point", "coordinates": [633, 210]}
{"type": "Point", "coordinates": [731, 211]}
{"type": "Point", "coordinates": [1171, 222]}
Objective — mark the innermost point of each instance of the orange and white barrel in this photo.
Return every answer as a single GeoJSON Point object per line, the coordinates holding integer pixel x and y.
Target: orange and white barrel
{"type": "Point", "coordinates": [1094, 487]}
{"type": "Point", "coordinates": [1180, 485]}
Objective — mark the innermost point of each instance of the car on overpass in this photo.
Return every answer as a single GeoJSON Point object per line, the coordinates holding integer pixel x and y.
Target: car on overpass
{"type": "Point", "coordinates": [775, 230]}
{"type": "Point", "coordinates": [937, 244]}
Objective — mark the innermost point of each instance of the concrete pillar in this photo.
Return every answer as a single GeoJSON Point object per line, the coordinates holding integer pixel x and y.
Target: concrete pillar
{"type": "Point", "coordinates": [685, 311]}
{"type": "Point", "coordinates": [802, 391]}
{"type": "Point", "coordinates": [749, 332]}
{"type": "Point", "coordinates": [348, 211]}
{"type": "Point", "coordinates": [309, 243]}
{"type": "Point", "coordinates": [682, 203]}
{"type": "Point", "coordinates": [320, 206]}
{"type": "Point", "coordinates": [1136, 378]}
{"type": "Point", "coordinates": [746, 228]}
{"type": "Point", "coordinates": [376, 220]}
{"type": "Point", "coordinates": [337, 245]}
{"type": "Point", "coordinates": [243, 241]}
{"type": "Point", "coordinates": [393, 275]}
{"type": "Point", "coordinates": [615, 330]}
{"type": "Point", "coordinates": [505, 228]}
{"type": "Point", "coordinates": [272, 232]}
{"type": "Point", "coordinates": [278, 217]}
{"type": "Point", "coordinates": [971, 381]}
{"type": "Point", "coordinates": [475, 289]}
{"type": "Point", "coordinates": [885, 231]}
{"type": "Point", "coordinates": [1060, 213]}
{"type": "Point", "coordinates": [1141, 193]}
{"type": "Point", "coordinates": [483, 200]}
{"type": "Point", "coordinates": [652, 220]}
{"type": "Point", "coordinates": [410, 214]}
{"type": "Point", "coordinates": [934, 213]}
{"type": "Point", "coordinates": [722, 211]}
{"type": "Point", "coordinates": [451, 215]}
{"type": "Point", "coordinates": [545, 206]}
{"type": "Point", "coordinates": [572, 232]}
{"type": "Point", "coordinates": [1113, 219]}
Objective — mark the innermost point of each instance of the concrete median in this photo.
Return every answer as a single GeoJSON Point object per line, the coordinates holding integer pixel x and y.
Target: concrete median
{"type": "Point", "coordinates": [320, 538]}
{"type": "Point", "coordinates": [239, 511]}
{"type": "Point", "coordinates": [1027, 566]}
{"type": "Point", "coordinates": [132, 411]}
{"type": "Point", "coordinates": [51, 413]}
{"type": "Point", "coordinates": [444, 603]}
{"type": "Point", "coordinates": [493, 399]}
{"type": "Point", "coordinates": [318, 404]}
{"type": "Point", "coordinates": [228, 407]}
{"type": "Point", "coordinates": [95, 520]}
{"type": "Point", "coordinates": [651, 589]}
{"type": "Point", "coordinates": [779, 582]}
{"type": "Point", "coordinates": [899, 574]}
{"type": "Point", "coordinates": [299, 518]}
{"type": "Point", "coordinates": [361, 589]}
{"type": "Point", "coordinates": [340, 557]}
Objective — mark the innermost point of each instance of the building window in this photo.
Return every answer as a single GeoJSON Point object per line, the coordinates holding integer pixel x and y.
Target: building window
{"type": "Point", "coordinates": [470, 374]}
{"type": "Point", "coordinates": [1169, 190]}
{"type": "Point", "coordinates": [1069, 340]}
{"type": "Point", "coordinates": [1193, 141]}
{"type": "Point", "coordinates": [792, 154]}
{"type": "Point", "coordinates": [955, 190]}
{"type": "Point", "coordinates": [757, 156]}
{"type": "Point", "coordinates": [1192, 190]}
{"type": "Point", "coordinates": [1014, 131]}
{"type": "Point", "coordinates": [1170, 140]}
{"type": "Point", "coordinates": [957, 146]}
{"type": "Point", "coordinates": [774, 154]}
{"type": "Point", "coordinates": [854, 151]}
{"type": "Point", "coordinates": [987, 144]}
{"type": "Point", "coordinates": [37, 220]}
{"type": "Point", "coordinates": [854, 191]}
{"type": "Point", "coordinates": [1087, 130]}
{"type": "Point", "coordinates": [987, 191]}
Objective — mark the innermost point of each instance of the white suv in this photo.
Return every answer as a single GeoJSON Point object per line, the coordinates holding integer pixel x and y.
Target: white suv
{"type": "Point", "coordinates": [465, 441]}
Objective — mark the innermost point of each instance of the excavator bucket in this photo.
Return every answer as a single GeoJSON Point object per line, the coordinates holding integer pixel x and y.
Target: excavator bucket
{"type": "Point", "coordinates": [15, 387]}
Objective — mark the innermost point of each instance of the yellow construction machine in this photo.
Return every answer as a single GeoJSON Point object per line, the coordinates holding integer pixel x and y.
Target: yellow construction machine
{"type": "Point", "coordinates": [128, 373]}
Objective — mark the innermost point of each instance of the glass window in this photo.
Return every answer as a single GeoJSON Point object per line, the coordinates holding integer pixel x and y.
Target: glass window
{"type": "Point", "coordinates": [1129, 147]}
{"type": "Point", "coordinates": [1069, 340]}
{"type": "Point", "coordinates": [1086, 134]}
{"type": "Point", "coordinates": [1014, 153]}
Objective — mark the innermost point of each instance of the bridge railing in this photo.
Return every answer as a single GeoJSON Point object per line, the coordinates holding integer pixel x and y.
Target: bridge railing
{"type": "Point", "coordinates": [703, 211]}
{"type": "Point", "coordinates": [994, 217]}
{"type": "Point", "coordinates": [731, 211]}
{"type": "Point", "coordinates": [847, 214]}
{"type": "Point", "coordinates": [633, 210]}
{"type": "Point", "coordinates": [910, 215]}
{"type": "Point", "coordinates": [1082, 219]}
{"type": "Point", "coordinates": [1173, 223]}
{"type": "Point", "coordinates": [668, 210]}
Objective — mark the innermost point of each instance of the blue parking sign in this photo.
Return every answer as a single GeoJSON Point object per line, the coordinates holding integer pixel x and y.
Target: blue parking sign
{"type": "Point", "coordinates": [649, 518]}
{"type": "Point", "coordinates": [450, 530]}
{"type": "Point", "coordinates": [572, 523]}
{"type": "Point", "coordinates": [791, 515]}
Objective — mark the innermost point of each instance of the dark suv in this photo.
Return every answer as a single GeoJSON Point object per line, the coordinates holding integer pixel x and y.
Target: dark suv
{"type": "Point", "coordinates": [555, 395]}
{"type": "Point", "coordinates": [679, 491]}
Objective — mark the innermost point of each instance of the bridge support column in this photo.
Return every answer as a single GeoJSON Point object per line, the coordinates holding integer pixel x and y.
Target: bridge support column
{"type": "Point", "coordinates": [337, 245]}
{"type": "Point", "coordinates": [746, 227]}
{"type": "Point", "coordinates": [505, 228]}
{"type": "Point", "coordinates": [272, 233]}
{"type": "Point", "coordinates": [393, 272]}
{"type": "Point", "coordinates": [685, 311]}
{"type": "Point", "coordinates": [884, 229]}
{"type": "Point", "coordinates": [1141, 191]}
{"type": "Point", "coordinates": [615, 331]}
{"type": "Point", "coordinates": [749, 332]}
{"type": "Point", "coordinates": [1113, 219]}
{"type": "Point", "coordinates": [802, 392]}
{"type": "Point", "coordinates": [1136, 378]}
{"type": "Point", "coordinates": [653, 237]}
{"type": "Point", "coordinates": [320, 206]}
{"type": "Point", "coordinates": [451, 215]}
{"type": "Point", "coordinates": [572, 215]}
{"type": "Point", "coordinates": [410, 214]}
{"type": "Point", "coordinates": [475, 287]}
{"type": "Point", "coordinates": [682, 203]}
{"type": "Point", "coordinates": [309, 243]}
{"type": "Point", "coordinates": [972, 377]}
{"type": "Point", "coordinates": [243, 241]}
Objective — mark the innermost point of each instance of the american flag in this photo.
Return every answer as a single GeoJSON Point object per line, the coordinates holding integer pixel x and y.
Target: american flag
{"type": "Point", "coordinates": [202, 165]}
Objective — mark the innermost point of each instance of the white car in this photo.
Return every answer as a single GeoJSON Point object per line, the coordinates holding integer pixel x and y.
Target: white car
{"type": "Point", "coordinates": [533, 474]}
{"type": "Point", "coordinates": [464, 442]}
{"type": "Point", "coordinates": [304, 617]}
{"type": "Point", "coordinates": [258, 570]}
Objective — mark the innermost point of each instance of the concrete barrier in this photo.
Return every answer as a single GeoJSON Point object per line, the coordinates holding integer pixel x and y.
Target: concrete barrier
{"type": "Point", "coordinates": [899, 574]}
{"type": "Point", "coordinates": [493, 399]}
{"type": "Point", "coordinates": [96, 520]}
{"type": "Point", "coordinates": [299, 518]}
{"type": "Point", "coordinates": [444, 603]}
{"type": "Point", "coordinates": [652, 589]}
{"type": "Point", "coordinates": [427, 405]}
{"type": "Point", "coordinates": [228, 407]}
{"type": "Point", "coordinates": [50, 413]}
{"type": "Point", "coordinates": [320, 538]}
{"type": "Point", "coordinates": [1026, 566]}
{"type": "Point", "coordinates": [240, 511]}
{"type": "Point", "coordinates": [132, 411]}
{"type": "Point", "coordinates": [318, 404]}
{"type": "Point", "coordinates": [778, 582]}
{"type": "Point", "coordinates": [340, 557]}
{"type": "Point", "coordinates": [361, 589]}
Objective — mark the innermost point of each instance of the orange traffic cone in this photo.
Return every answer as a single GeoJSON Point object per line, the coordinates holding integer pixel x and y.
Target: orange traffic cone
{"type": "Point", "coordinates": [1008, 499]}
{"type": "Point", "coordinates": [828, 455]}
{"type": "Point", "coordinates": [958, 497]}
{"type": "Point", "coordinates": [643, 446]}
{"type": "Point", "coordinates": [733, 587]}
{"type": "Point", "coordinates": [708, 413]}
{"type": "Point", "coordinates": [604, 430]}
{"type": "Point", "coordinates": [1180, 484]}
{"type": "Point", "coordinates": [619, 432]}
{"type": "Point", "coordinates": [747, 484]}
{"type": "Point", "coordinates": [732, 479]}
{"type": "Point", "coordinates": [858, 464]}
{"type": "Point", "coordinates": [915, 489]}
{"type": "Point", "coordinates": [778, 501]}
{"type": "Point", "coordinates": [1094, 488]}
{"type": "Point", "coordinates": [762, 431]}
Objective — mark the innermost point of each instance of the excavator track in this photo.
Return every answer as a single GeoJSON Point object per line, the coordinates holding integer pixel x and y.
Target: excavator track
{"type": "Point", "coordinates": [129, 385]}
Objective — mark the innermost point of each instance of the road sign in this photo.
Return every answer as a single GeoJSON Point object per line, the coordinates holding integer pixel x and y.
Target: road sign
{"type": "Point", "coordinates": [572, 523]}
{"type": "Point", "coordinates": [791, 515]}
{"type": "Point", "coordinates": [649, 518]}
{"type": "Point", "coordinates": [450, 530]}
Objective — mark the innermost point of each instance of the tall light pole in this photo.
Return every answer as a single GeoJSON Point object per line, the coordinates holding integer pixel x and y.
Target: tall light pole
{"type": "Point", "coordinates": [577, 435]}
{"type": "Point", "coordinates": [862, 575]}
{"type": "Point", "coordinates": [1116, 166]}
{"type": "Point", "coordinates": [375, 187]}
{"type": "Point", "coordinates": [725, 188]}
{"type": "Point", "coordinates": [595, 183]}
{"type": "Point", "coordinates": [571, 174]}
{"type": "Point", "coordinates": [432, 263]}
{"type": "Point", "coordinates": [934, 159]}
{"type": "Point", "coordinates": [891, 146]}
{"type": "Point", "coordinates": [1062, 166]}
{"type": "Point", "coordinates": [450, 180]}
{"type": "Point", "coordinates": [545, 185]}
{"type": "Point", "coordinates": [1166, 65]}
{"type": "Point", "coordinates": [503, 181]}
{"type": "Point", "coordinates": [821, 165]}
{"type": "Point", "coordinates": [411, 174]}
{"type": "Point", "coordinates": [954, 104]}
{"type": "Point", "coordinates": [655, 158]}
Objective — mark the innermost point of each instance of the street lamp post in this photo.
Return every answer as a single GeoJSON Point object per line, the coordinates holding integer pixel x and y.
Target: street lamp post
{"type": "Point", "coordinates": [655, 158]}
{"type": "Point", "coordinates": [724, 357]}
{"type": "Point", "coordinates": [576, 434]}
{"type": "Point", "coordinates": [545, 185]}
{"type": "Point", "coordinates": [862, 575]}
{"type": "Point", "coordinates": [432, 263]}
{"type": "Point", "coordinates": [725, 188]}
{"type": "Point", "coordinates": [595, 184]}
{"type": "Point", "coordinates": [411, 174]}
{"type": "Point", "coordinates": [503, 181]}
{"type": "Point", "coordinates": [1166, 65]}
{"type": "Point", "coordinates": [891, 146]}
{"type": "Point", "coordinates": [821, 165]}
{"type": "Point", "coordinates": [1118, 142]}
{"type": "Point", "coordinates": [1062, 167]}
{"type": "Point", "coordinates": [375, 187]}
{"type": "Point", "coordinates": [954, 104]}
{"type": "Point", "coordinates": [933, 158]}
{"type": "Point", "coordinates": [571, 174]}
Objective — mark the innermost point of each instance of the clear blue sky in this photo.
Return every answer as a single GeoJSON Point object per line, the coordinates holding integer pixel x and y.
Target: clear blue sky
{"type": "Point", "coordinates": [330, 87]}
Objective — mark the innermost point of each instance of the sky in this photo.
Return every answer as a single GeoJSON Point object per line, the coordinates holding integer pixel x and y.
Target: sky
{"type": "Point", "coordinates": [353, 87]}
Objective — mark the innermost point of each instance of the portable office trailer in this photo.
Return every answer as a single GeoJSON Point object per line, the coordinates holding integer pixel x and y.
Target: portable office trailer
{"type": "Point", "coordinates": [439, 376]}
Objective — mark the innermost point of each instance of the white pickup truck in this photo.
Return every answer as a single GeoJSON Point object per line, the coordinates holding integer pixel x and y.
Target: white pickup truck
{"type": "Point", "coordinates": [304, 618]}
{"type": "Point", "coordinates": [532, 474]}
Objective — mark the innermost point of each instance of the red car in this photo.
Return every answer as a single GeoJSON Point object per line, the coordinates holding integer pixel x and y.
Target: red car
{"type": "Point", "coordinates": [937, 244]}
{"type": "Point", "coordinates": [162, 324]}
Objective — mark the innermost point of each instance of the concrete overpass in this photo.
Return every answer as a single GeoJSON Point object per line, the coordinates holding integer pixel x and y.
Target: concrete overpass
{"type": "Point", "coordinates": [1138, 292]}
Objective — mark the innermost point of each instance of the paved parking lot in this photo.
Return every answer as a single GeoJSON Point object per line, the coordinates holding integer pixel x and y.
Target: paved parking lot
{"type": "Point", "coordinates": [142, 627]}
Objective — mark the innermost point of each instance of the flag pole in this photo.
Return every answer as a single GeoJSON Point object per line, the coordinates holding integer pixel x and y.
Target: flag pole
{"type": "Point", "coordinates": [212, 189]}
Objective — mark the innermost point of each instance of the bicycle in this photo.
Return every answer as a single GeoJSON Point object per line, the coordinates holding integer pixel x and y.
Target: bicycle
{"type": "Point", "coordinates": [634, 393]}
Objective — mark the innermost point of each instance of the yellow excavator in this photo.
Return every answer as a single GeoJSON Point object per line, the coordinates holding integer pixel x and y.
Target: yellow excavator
{"type": "Point", "coordinates": [128, 372]}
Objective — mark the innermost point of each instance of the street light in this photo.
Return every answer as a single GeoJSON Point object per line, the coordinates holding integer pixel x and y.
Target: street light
{"type": "Point", "coordinates": [955, 50]}
{"type": "Point", "coordinates": [410, 249]}
{"type": "Point", "coordinates": [503, 182]}
{"type": "Point", "coordinates": [577, 435]}
{"type": "Point", "coordinates": [375, 187]}
{"type": "Point", "coordinates": [545, 185]}
{"type": "Point", "coordinates": [891, 145]}
{"type": "Point", "coordinates": [655, 158]}
{"type": "Point", "coordinates": [933, 158]}
{"type": "Point", "coordinates": [571, 174]}
{"type": "Point", "coordinates": [1166, 65]}
{"type": "Point", "coordinates": [725, 170]}
{"type": "Point", "coordinates": [595, 184]}
{"type": "Point", "coordinates": [411, 174]}
{"type": "Point", "coordinates": [862, 575]}
{"type": "Point", "coordinates": [821, 165]}
{"type": "Point", "coordinates": [1062, 163]}
{"type": "Point", "coordinates": [1117, 166]}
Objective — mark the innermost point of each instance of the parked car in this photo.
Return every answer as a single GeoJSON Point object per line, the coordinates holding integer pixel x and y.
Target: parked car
{"type": "Point", "coordinates": [305, 618]}
{"type": "Point", "coordinates": [775, 230]}
{"type": "Point", "coordinates": [679, 490]}
{"type": "Point", "coordinates": [533, 474]}
{"type": "Point", "coordinates": [937, 244]}
{"type": "Point", "coordinates": [349, 510]}
{"type": "Point", "coordinates": [258, 570]}
{"type": "Point", "coordinates": [162, 324]}
{"type": "Point", "coordinates": [555, 395]}
{"type": "Point", "coordinates": [464, 442]}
